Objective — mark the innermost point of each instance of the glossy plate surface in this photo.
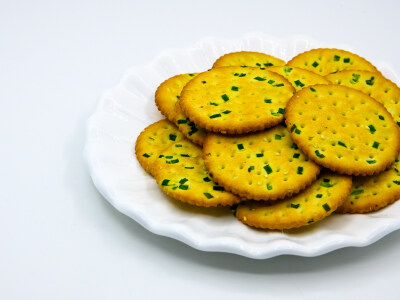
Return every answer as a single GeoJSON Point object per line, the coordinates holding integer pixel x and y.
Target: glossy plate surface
{"type": "Point", "coordinates": [125, 110]}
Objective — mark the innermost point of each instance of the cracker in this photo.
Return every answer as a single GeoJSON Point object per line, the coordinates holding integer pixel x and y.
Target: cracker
{"type": "Point", "coordinates": [190, 130]}
{"type": "Point", "coordinates": [299, 78]}
{"type": "Point", "coordinates": [261, 166]}
{"type": "Point", "coordinates": [375, 85]}
{"type": "Point", "coordinates": [313, 204]}
{"type": "Point", "coordinates": [343, 129]}
{"type": "Point", "coordinates": [370, 193]}
{"type": "Point", "coordinates": [169, 92]}
{"type": "Point", "coordinates": [248, 59]}
{"type": "Point", "coordinates": [181, 174]}
{"type": "Point", "coordinates": [324, 61]}
{"type": "Point", "coordinates": [236, 100]}
{"type": "Point", "coordinates": [153, 140]}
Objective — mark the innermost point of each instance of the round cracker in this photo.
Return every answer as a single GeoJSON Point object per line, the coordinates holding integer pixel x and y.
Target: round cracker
{"type": "Point", "coordinates": [236, 100]}
{"type": "Point", "coordinates": [299, 78]}
{"type": "Point", "coordinates": [188, 128]}
{"type": "Point", "coordinates": [313, 204]}
{"type": "Point", "coordinates": [371, 193]}
{"type": "Point", "coordinates": [248, 59]}
{"type": "Point", "coordinates": [181, 174]}
{"type": "Point", "coordinates": [373, 84]}
{"type": "Point", "coordinates": [168, 93]}
{"type": "Point", "coordinates": [343, 129]}
{"type": "Point", "coordinates": [153, 140]}
{"type": "Point", "coordinates": [265, 165]}
{"type": "Point", "coordinates": [325, 61]}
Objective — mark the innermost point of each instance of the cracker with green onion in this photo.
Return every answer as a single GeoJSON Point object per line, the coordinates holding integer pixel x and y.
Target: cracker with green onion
{"type": "Point", "coordinates": [325, 61]}
{"type": "Point", "coordinates": [181, 174]}
{"type": "Point", "coordinates": [343, 129]}
{"type": "Point", "coordinates": [373, 84]}
{"type": "Point", "coordinates": [190, 130]}
{"type": "Point", "coordinates": [248, 59]}
{"type": "Point", "coordinates": [236, 100]}
{"type": "Point", "coordinates": [265, 165]}
{"type": "Point", "coordinates": [168, 93]}
{"type": "Point", "coordinates": [371, 193]}
{"type": "Point", "coordinates": [298, 77]}
{"type": "Point", "coordinates": [153, 140]}
{"type": "Point", "coordinates": [313, 204]}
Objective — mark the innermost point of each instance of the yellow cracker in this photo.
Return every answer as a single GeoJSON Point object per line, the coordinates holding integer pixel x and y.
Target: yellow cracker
{"type": "Point", "coordinates": [153, 140]}
{"type": "Point", "coordinates": [248, 59]}
{"type": "Point", "coordinates": [324, 61]}
{"type": "Point", "coordinates": [299, 78]}
{"type": "Point", "coordinates": [260, 166]}
{"type": "Point", "coordinates": [313, 204]}
{"type": "Point", "coordinates": [370, 193]}
{"type": "Point", "coordinates": [181, 174]}
{"type": "Point", "coordinates": [343, 129]}
{"type": "Point", "coordinates": [190, 130]}
{"type": "Point", "coordinates": [236, 100]}
{"type": "Point", "coordinates": [375, 85]}
{"type": "Point", "coordinates": [169, 92]}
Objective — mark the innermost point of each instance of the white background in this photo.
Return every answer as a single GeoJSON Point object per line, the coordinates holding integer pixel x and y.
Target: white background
{"type": "Point", "coordinates": [60, 239]}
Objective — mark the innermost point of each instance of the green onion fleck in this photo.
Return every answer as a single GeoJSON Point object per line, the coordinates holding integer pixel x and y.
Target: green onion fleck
{"type": "Point", "coordinates": [294, 146]}
{"type": "Point", "coordinates": [336, 58]}
{"type": "Point", "coordinates": [215, 116]}
{"type": "Point", "coordinates": [191, 75]}
{"type": "Point", "coordinates": [169, 157]}
{"type": "Point", "coordinates": [299, 83]}
{"type": "Point", "coordinates": [267, 100]}
{"type": "Point", "coordinates": [278, 85]}
{"type": "Point", "coordinates": [242, 74]}
{"type": "Point", "coordinates": [346, 60]}
{"type": "Point", "coordinates": [315, 64]}
{"type": "Point", "coordinates": [287, 69]}
{"type": "Point", "coordinates": [178, 146]}
{"type": "Point", "coordinates": [371, 128]}
{"type": "Point", "coordinates": [375, 145]}
{"type": "Point", "coordinates": [206, 179]}
{"type": "Point", "coordinates": [294, 205]}
{"type": "Point", "coordinates": [189, 167]}
{"type": "Point", "coordinates": [182, 121]}
{"type": "Point", "coordinates": [269, 187]}
{"type": "Point", "coordinates": [218, 188]}
{"type": "Point", "coordinates": [213, 103]}
{"type": "Point", "coordinates": [396, 182]}
{"type": "Point", "coordinates": [278, 137]}
{"type": "Point", "coordinates": [355, 78]}
{"type": "Point", "coordinates": [318, 196]}
{"type": "Point", "coordinates": [172, 137]}
{"type": "Point", "coordinates": [371, 161]}
{"type": "Point", "coordinates": [174, 161]}
{"type": "Point", "coordinates": [326, 207]}
{"type": "Point", "coordinates": [146, 155]}
{"type": "Point", "coordinates": [258, 64]}
{"type": "Point", "coordinates": [183, 180]}
{"type": "Point", "coordinates": [204, 82]}
{"type": "Point", "coordinates": [271, 81]}
{"type": "Point", "coordinates": [356, 192]}
{"type": "Point", "coordinates": [370, 81]}
{"type": "Point", "coordinates": [225, 97]}
{"type": "Point", "coordinates": [183, 187]}
{"type": "Point", "coordinates": [165, 182]}
{"type": "Point", "coordinates": [234, 88]}
{"type": "Point", "coordinates": [240, 146]}
{"type": "Point", "coordinates": [208, 195]}
{"type": "Point", "coordinates": [251, 168]}
{"type": "Point", "coordinates": [300, 170]}
{"type": "Point", "coordinates": [312, 89]}
{"type": "Point", "coordinates": [297, 131]}
{"type": "Point", "coordinates": [296, 155]}
{"type": "Point", "coordinates": [185, 155]}
{"type": "Point", "coordinates": [268, 64]}
{"type": "Point", "coordinates": [381, 117]}
{"type": "Point", "coordinates": [326, 184]}
{"type": "Point", "coordinates": [226, 112]}
{"type": "Point", "coordinates": [259, 78]}
{"type": "Point", "coordinates": [342, 144]}
{"type": "Point", "coordinates": [268, 169]}
{"type": "Point", "coordinates": [260, 154]}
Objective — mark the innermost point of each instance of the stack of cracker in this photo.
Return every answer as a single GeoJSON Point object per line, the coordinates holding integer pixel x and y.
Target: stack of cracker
{"type": "Point", "coordinates": [284, 144]}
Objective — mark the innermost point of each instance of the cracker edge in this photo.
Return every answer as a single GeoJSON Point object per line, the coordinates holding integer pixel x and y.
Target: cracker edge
{"type": "Point", "coordinates": [246, 52]}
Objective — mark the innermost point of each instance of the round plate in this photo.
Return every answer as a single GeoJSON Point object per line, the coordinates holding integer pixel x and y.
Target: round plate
{"type": "Point", "coordinates": [125, 110]}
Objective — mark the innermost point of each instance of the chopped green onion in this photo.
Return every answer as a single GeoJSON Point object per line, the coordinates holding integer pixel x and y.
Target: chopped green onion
{"type": "Point", "coordinates": [315, 64]}
{"type": "Point", "coordinates": [178, 146]}
{"type": "Point", "coordinates": [336, 58]}
{"type": "Point", "coordinates": [269, 187]}
{"type": "Point", "coordinates": [355, 78]}
{"type": "Point", "coordinates": [165, 182]}
{"type": "Point", "coordinates": [185, 155]}
{"type": "Point", "coordinates": [375, 145]}
{"type": "Point", "coordinates": [208, 195]}
{"type": "Point", "coordinates": [371, 161]}
{"type": "Point", "coordinates": [356, 192]}
{"type": "Point", "coordinates": [287, 69]}
{"type": "Point", "coordinates": [191, 74]}
{"type": "Point", "coordinates": [326, 184]}
{"type": "Point", "coordinates": [146, 155]}
{"type": "Point", "coordinates": [240, 146]}
{"type": "Point", "coordinates": [312, 89]}
{"type": "Point", "coordinates": [299, 83]}
{"type": "Point", "coordinates": [294, 146]}
{"type": "Point", "coordinates": [213, 103]}
{"type": "Point", "coordinates": [215, 116]}
{"type": "Point", "coordinates": [206, 179]}
{"type": "Point", "coordinates": [278, 137]}
{"type": "Point", "coordinates": [226, 112]}
{"type": "Point", "coordinates": [218, 188]}
{"type": "Point", "coordinates": [371, 128]}
{"type": "Point", "coordinates": [271, 81]}
{"type": "Point", "coordinates": [326, 207]}
{"type": "Point", "coordinates": [242, 74]}
{"type": "Point", "coordinates": [346, 60]}
{"type": "Point", "coordinates": [318, 196]}
{"type": "Point", "coordinates": [381, 117]}
{"type": "Point", "coordinates": [174, 161]}
{"type": "Point", "coordinates": [278, 85]}
{"type": "Point", "coordinates": [183, 187]}
{"type": "Point", "coordinates": [234, 88]}
{"type": "Point", "coordinates": [259, 78]}
{"type": "Point", "coordinates": [267, 100]}
{"type": "Point", "coordinates": [300, 170]}
{"type": "Point", "coordinates": [296, 155]}
{"type": "Point", "coordinates": [182, 121]}
{"type": "Point", "coordinates": [268, 64]}
{"type": "Point", "coordinates": [396, 182]}
{"type": "Point", "coordinates": [260, 154]}
{"type": "Point", "coordinates": [342, 144]}
{"type": "Point", "coordinates": [268, 169]}
{"type": "Point", "coordinates": [294, 205]}
{"type": "Point", "coordinates": [172, 137]}
{"type": "Point", "coordinates": [225, 97]}
{"type": "Point", "coordinates": [189, 167]}
{"type": "Point", "coordinates": [370, 81]}
{"type": "Point", "coordinates": [251, 168]}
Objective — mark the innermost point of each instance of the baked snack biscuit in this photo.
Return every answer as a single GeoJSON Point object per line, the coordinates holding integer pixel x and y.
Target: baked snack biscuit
{"type": "Point", "coordinates": [265, 165]}
{"type": "Point", "coordinates": [343, 129]}
{"type": "Point", "coordinates": [248, 59]}
{"type": "Point", "coordinates": [313, 204]}
{"type": "Point", "coordinates": [181, 174]}
{"type": "Point", "coordinates": [370, 193]}
{"type": "Point", "coordinates": [375, 85]}
{"type": "Point", "coordinates": [153, 140]}
{"type": "Point", "coordinates": [298, 77]}
{"type": "Point", "coordinates": [325, 61]}
{"type": "Point", "coordinates": [168, 93]}
{"type": "Point", "coordinates": [236, 100]}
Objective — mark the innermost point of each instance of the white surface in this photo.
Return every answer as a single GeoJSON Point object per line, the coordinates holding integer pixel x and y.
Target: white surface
{"type": "Point", "coordinates": [60, 239]}
{"type": "Point", "coordinates": [126, 109]}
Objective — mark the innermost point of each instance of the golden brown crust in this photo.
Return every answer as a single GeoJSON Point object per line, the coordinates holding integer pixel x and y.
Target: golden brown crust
{"type": "Point", "coordinates": [259, 166]}
{"type": "Point", "coordinates": [236, 100]}
{"type": "Point", "coordinates": [168, 93]}
{"type": "Point", "coordinates": [313, 204]}
{"type": "Point", "coordinates": [340, 128]}
{"type": "Point", "coordinates": [324, 61]}
{"type": "Point", "coordinates": [248, 59]}
{"type": "Point", "coordinates": [153, 140]}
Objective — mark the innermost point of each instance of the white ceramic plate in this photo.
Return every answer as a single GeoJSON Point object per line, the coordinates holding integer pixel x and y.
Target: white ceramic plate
{"type": "Point", "coordinates": [125, 110]}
